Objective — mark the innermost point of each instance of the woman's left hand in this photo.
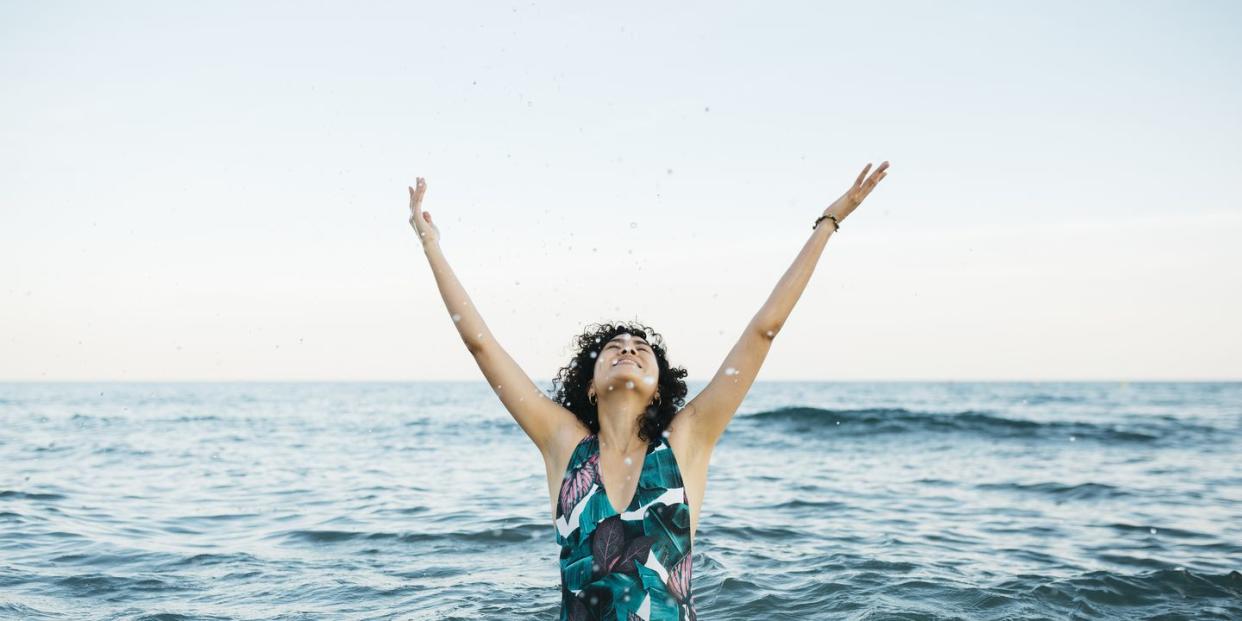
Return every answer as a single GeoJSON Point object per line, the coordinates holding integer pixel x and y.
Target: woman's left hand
{"type": "Point", "coordinates": [853, 197]}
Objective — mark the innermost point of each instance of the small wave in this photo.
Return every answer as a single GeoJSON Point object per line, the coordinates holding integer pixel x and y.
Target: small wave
{"type": "Point", "coordinates": [14, 495]}
{"type": "Point", "coordinates": [1082, 491]}
{"type": "Point", "coordinates": [873, 421]}
{"type": "Point", "coordinates": [193, 419]}
{"type": "Point", "coordinates": [1043, 398]}
{"type": "Point", "coordinates": [207, 558]}
{"type": "Point", "coordinates": [1160, 530]}
{"type": "Point", "coordinates": [1155, 589]}
{"type": "Point", "coordinates": [21, 611]}
{"type": "Point", "coordinates": [90, 585]}
{"type": "Point", "coordinates": [514, 533]}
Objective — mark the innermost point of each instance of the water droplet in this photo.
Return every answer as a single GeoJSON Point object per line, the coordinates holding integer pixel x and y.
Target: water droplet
{"type": "Point", "coordinates": [771, 333]}
{"type": "Point", "coordinates": [479, 335]}
{"type": "Point", "coordinates": [629, 461]}
{"type": "Point", "coordinates": [594, 600]}
{"type": "Point", "coordinates": [625, 598]}
{"type": "Point", "coordinates": [610, 388]}
{"type": "Point", "coordinates": [1153, 531]}
{"type": "Point", "coordinates": [730, 371]}
{"type": "Point", "coordinates": [593, 354]}
{"type": "Point", "coordinates": [629, 384]}
{"type": "Point", "coordinates": [664, 433]}
{"type": "Point", "coordinates": [597, 339]}
{"type": "Point", "coordinates": [648, 380]}
{"type": "Point", "coordinates": [633, 225]}
{"type": "Point", "coordinates": [1072, 439]}
{"type": "Point", "coordinates": [838, 422]}
{"type": "Point", "coordinates": [595, 566]}
{"type": "Point", "coordinates": [456, 317]}
{"type": "Point", "coordinates": [498, 386]}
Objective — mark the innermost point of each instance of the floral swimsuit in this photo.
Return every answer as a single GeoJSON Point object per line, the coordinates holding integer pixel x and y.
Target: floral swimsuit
{"type": "Point", "coordinates": [628, 566]}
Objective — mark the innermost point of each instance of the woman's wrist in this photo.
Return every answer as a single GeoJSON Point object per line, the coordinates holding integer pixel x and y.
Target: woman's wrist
{"type": "Point", "coordinates": [828, 219]}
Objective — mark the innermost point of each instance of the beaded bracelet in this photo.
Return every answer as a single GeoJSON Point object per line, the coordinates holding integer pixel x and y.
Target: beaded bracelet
{"type": "Point", "coordinates": [836, 225]}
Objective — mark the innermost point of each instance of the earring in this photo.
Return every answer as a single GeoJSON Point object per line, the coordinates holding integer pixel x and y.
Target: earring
{"type": "Point", "coordinates": [591, 398]}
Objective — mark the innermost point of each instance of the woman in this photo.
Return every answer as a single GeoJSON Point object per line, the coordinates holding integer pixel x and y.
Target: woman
{"type": "Point", "coordinates": [626, 464]}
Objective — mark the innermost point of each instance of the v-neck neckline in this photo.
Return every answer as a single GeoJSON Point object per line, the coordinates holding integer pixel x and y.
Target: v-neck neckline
{"type": "Point", "coordinates": [599, 475]}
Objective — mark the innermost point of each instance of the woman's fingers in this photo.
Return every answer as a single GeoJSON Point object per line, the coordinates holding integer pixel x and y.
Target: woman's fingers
{"type": "Point", "coordinates": [862, 175]}
{"type": "Point", "coordinates": [875, 178]}
{"type": "Point", "coordinates": [416, 208]}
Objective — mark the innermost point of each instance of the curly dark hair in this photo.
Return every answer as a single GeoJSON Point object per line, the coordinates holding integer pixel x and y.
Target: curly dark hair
{"type": "Point", "coordinates": [571, 381]}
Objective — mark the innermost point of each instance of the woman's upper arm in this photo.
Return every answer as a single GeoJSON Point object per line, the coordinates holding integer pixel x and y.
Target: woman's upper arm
{"type": "Point", "coordinates": [710, 411]}
{"type": "Point", "coordinates": [538, 415]}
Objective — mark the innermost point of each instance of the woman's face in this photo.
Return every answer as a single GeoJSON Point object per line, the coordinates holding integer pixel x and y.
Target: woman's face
{"type": "Point", "coordinates": [627, 362]}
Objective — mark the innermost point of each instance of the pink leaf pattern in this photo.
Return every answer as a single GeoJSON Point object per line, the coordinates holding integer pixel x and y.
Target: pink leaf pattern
{"type": "Point", "coordinates": [607, 542]}
{"type": "Point", "coordinates": [576, 486]}
{"type": "Point", "coordinates": [679, 578]}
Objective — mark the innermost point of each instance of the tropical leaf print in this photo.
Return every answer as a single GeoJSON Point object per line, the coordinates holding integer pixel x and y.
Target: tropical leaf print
{"type": "Point", "coordinates": [607, 544]}
{"type": "Point", "coordinates": [635, 551]}
{"type": "Point", "coordinates": [679, 578]}
{"type": "Point", "coordinates": [578, 483]}
{"type": "Point", "coordinates": [632, 565]}
{"type": "Point", "coordinates": [578, 610]}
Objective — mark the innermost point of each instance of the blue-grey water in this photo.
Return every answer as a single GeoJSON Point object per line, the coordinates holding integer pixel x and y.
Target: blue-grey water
{"type": "Point", "coordinates": [426, 501]}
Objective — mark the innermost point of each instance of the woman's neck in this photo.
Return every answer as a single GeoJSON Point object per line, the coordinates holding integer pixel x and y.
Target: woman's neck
{"type": "Point", "coordinates": [619, 435]}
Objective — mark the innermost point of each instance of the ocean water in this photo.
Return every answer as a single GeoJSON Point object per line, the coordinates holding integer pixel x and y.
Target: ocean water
{"type": "Point", "coordinates": [898, 500]}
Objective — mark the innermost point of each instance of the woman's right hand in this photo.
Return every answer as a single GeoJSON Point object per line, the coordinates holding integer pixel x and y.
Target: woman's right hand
{"type": "Point", "coordinates": [428, 232]}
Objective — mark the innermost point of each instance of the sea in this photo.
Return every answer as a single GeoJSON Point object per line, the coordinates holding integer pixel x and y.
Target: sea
{"type": "Point", "coordinates": [426, 501]}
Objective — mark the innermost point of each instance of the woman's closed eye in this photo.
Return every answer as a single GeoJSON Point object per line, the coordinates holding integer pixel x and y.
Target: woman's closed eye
{"type": "Point", "coordinates": [640, 347]}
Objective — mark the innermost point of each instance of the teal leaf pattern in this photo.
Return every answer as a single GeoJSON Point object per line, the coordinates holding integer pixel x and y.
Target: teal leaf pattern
{"type": "Point", "coordinates": [629, 566]}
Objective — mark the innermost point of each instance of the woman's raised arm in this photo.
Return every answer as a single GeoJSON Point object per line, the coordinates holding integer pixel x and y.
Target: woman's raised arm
{"type": "Point", "coordinates": [710, 411]}
{"type": "Point", "coordinates": [540, 417]}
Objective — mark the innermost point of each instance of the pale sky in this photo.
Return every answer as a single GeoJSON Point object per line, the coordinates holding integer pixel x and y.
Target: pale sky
{"type": "Point", "coordinates": [218, 191]}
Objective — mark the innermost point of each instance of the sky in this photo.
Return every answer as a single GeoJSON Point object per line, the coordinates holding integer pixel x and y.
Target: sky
{"type": "Point", "coordinates": [203, 192]}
